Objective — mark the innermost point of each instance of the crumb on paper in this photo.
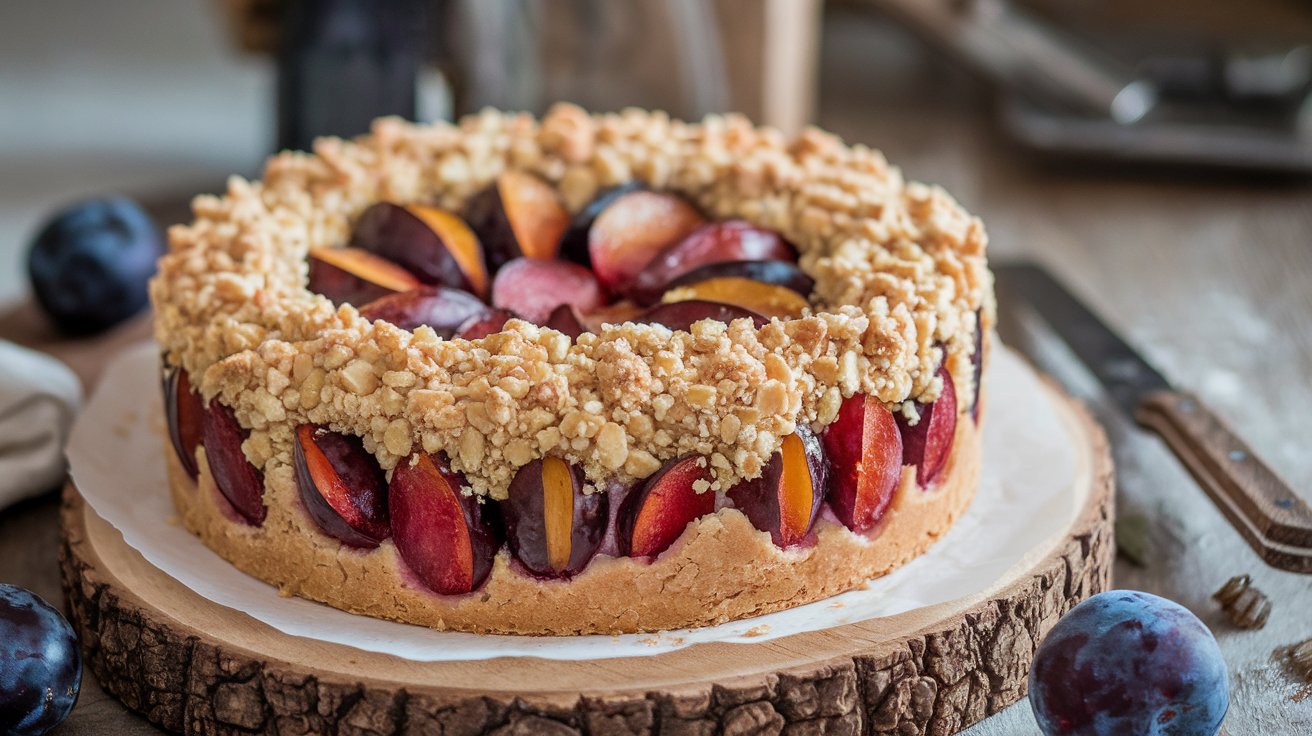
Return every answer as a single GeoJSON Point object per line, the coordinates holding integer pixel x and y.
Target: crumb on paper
{"type": "Point", "coordinates": [761, 630]}
{"type": "Point", "coordinates": [840, 604]}
{"type": "Point", "coordinates": [660, 638]}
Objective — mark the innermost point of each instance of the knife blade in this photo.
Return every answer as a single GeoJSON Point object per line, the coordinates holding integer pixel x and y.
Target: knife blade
{"type": "Point", "coordinates": [1274, 520]}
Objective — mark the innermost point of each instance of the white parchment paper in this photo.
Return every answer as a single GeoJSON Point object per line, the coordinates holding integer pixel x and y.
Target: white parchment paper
{"type": "Point", "coordinates": [1026, 499]}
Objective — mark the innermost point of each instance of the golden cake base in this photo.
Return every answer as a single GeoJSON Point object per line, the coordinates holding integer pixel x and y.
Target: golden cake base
{"type": "Point", "coordinates": [720, 569]}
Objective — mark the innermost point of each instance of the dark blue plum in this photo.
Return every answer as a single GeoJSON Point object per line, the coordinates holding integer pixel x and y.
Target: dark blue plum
{"type": "Point", "coordinates": [40, 664]}
{"type": "Point", "coordinates": [1126, 662]}
{"type": "Point", "coordinates": [91, 263]}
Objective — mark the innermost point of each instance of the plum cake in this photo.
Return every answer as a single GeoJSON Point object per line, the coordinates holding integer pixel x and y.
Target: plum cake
{"type": "Point", "coordinates": [595, 374]}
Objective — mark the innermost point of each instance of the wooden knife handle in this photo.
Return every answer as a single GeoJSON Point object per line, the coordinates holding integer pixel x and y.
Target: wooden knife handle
{"type": "Point", "coordinates": [1274, 519]}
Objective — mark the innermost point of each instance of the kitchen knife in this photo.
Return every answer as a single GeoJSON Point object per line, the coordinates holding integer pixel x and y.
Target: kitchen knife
{"type": "Point", "coordinates": [1275, 521]}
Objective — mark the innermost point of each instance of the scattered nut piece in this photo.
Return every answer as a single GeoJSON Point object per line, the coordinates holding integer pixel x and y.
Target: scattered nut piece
{"type": "Point", "coordinates": [358, 378]}
{"type": "Point", "coordinates": [1245, 606]}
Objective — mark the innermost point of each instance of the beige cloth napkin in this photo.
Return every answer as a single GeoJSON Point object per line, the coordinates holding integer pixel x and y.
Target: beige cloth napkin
{"type": "Point", "coordinates": [39, 397]}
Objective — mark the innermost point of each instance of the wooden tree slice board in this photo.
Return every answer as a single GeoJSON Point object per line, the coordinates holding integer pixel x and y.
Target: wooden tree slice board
{"type": "Point", "coordinates": [193, 666]}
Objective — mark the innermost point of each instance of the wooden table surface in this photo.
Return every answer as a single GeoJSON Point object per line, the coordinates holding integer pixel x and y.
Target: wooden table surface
{"type": "Point", "coordinates": [1209, 275]}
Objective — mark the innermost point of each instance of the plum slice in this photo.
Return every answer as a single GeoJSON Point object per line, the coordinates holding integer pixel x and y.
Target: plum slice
{"type": "Point", "coordinates": [732, 240]}
{"type": "Point", "coordinates": [459, 240]}
{"type": "Point", "coordinates": [483, 324]}
{"type": "Point", "coordinates": [355, 276]}
{"type": "Point", "coordinates": [552, 526]}
{"type": "Point", "coordinates": [611, 314]}
{"type": "Point", "coordinates": [342, 486]}
{"type": "Point", "coordinates": [865, 459]}
{"type": "Point", "coordinates": [779, 273]}
{"type": "Point", "coordinates": [185, 412]}
{"type": "Point", "coordinates": [785, 499]}
{"type": "Point", "coordinates": [977, 364]}
{"type": "Point", "coordinates": [656, 513]}
{"type": "Point", "coordinates": [633, 230]}
{"type": "Point", "coordinates": [683, 315]}
{"type": "Point", "coordinates": [442, 308]}
{"type": "Point", "coordinates": [436, 246]}
{"type": "Point", "coordinates": [443, 535]}
{"type": "Point", "coordinates": [519, 215]}
{"type": "Point", "coordinates": [566, 320]}
{"type": "Point", "coordinates": [574, 243]}
{"type": "Point", "coordinates": [236, 478]}
{"type": "Point", "coordinates": [532, 288]}
{"type": "Point", "coordinates": [768, 300]}
{"type": "Point", "coordinates": [927, 443]}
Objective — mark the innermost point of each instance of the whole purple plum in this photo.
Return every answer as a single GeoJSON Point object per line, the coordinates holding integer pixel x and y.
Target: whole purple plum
{"type": "Point", "coordinates": [1126, 662]}
{"type": "Point", "coordinates": [40, 664]}
{"type": "Point", "coordinates": [91, 264]}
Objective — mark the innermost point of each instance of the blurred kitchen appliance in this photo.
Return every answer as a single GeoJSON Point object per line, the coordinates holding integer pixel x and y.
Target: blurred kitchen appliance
{"type": "Point", "coordinates": [342, 63]}
{"type": "Point", "coordinates": [687, 57]}
{"type": "Point", "coordinates": [1061, 95]}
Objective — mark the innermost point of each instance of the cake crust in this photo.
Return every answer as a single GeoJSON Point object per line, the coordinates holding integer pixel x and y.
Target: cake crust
{"type": "Point", "coordinates": [721, 569]}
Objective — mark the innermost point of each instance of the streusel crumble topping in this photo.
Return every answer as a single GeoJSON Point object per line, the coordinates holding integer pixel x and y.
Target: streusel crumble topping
{"type": "Point", "coordinates": [899, 268]}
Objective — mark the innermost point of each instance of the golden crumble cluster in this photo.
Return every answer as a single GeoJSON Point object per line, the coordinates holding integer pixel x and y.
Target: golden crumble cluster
{"type": "Point", "coordinates": [899, 268]}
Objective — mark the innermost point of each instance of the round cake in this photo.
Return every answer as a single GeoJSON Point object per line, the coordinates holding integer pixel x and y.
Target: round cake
{"type": "Point", "coordinates": [596, 374]}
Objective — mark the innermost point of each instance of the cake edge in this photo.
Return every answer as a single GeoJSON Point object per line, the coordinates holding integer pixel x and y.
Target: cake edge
{"type": "Point", "coordinates": [721, 569]}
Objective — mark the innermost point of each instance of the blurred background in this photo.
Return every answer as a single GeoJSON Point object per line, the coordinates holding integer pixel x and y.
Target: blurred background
{"type": "Point", "coordinates": [159, 98]}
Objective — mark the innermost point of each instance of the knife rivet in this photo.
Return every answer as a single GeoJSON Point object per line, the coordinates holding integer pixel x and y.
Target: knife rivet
{"type": "Point", "coordinates": [1238, 455]}
{"type": "Point", "coordinates": [1188, 405]}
